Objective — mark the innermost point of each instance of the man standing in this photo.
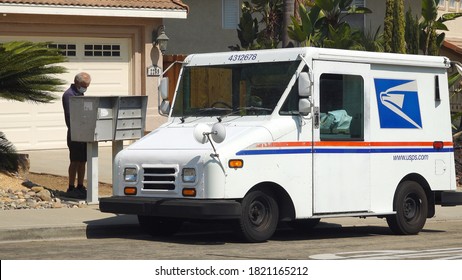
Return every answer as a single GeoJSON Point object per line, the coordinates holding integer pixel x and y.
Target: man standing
{"type": "Point", "coordinates": [77, 150]}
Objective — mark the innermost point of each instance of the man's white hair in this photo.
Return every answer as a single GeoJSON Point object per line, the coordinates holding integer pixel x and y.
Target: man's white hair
{"type": "Point", "coordinates": [82, 77]}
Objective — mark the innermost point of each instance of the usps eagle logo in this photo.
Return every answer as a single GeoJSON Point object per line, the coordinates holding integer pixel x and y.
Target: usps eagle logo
{"type": "Point", "coordinates": [398, 103]}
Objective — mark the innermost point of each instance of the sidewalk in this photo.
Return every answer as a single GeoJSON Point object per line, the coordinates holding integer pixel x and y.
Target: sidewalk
{"type": "Point", "coordinates": [89, 222]}
{"type": "Point", "coordinates": [86, 222]}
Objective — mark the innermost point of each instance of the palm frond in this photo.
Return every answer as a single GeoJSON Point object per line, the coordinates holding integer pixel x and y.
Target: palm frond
{"type": "Point", "coordinates": [8, 155]}
{"type": "Point", "coordinates": [28, 71]}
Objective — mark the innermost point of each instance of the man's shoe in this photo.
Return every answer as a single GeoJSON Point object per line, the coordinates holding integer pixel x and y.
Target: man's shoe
{"type": "Point", "coordinates": [71, 192]}
{"type": "Point", "coordinates": [81, 192]}
{"type": "Point", "coordinates": [70, 189]}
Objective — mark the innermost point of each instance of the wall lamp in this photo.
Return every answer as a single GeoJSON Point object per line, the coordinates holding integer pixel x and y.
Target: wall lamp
{"type": "Point", "coordinates": [160, 39]}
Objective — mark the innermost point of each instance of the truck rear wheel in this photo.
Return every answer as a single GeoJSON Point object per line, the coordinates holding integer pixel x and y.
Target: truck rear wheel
{"type": "Point", "coordinates": [157, 226]}
{"type": "Point", "coordinates": [259, 217]}
{"type": "Point", "coordinates": [411, 206]}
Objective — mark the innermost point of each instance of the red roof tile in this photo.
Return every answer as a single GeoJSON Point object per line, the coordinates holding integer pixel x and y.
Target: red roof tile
{"type": "Point", "coordinates": [145, 4]}
{"type": "Point", "coordinates": [454, 44]}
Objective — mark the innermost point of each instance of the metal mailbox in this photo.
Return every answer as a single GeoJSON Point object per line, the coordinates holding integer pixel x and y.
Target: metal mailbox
{"type": "Point", "coordinates": [131, 117]}
{"type": "Point", "coordinates": [107, 118]}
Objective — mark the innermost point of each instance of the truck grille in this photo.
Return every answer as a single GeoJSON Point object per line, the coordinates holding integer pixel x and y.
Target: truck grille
{"type": "Point", "coordinates": [162, 178]}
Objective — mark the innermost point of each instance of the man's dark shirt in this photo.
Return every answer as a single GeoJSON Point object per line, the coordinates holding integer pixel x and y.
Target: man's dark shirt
{"type": "Point", "coordinates": [71, 91]}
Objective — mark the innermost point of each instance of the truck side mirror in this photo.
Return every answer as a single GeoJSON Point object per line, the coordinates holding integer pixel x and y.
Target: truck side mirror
{"type": "Point", "coordinates": [164, 108]}
{"type": "Point", "coordinates": [304, 106]}
{"type": "Point", "coordinates": [164, 104]}
{"type": "Point", "coordinates": [304, 85]}
{"type": "Point", "coordinates": [163, 88]}
{"type": "Point", "coordinates": [304, 91]}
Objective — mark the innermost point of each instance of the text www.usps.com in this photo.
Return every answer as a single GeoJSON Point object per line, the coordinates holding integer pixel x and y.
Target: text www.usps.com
{"type": "Point", "coordinates": [410, 157]}
{"type": "Point", "coordinates": [177, 271]}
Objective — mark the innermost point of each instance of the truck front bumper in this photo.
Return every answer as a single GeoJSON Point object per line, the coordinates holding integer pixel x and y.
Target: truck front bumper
{"type": "Point", "coordinates": [173, 208]}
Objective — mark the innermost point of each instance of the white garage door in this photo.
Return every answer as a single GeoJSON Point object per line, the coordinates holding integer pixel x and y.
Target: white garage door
{"type": "Point", "coordinates": [31, 126]}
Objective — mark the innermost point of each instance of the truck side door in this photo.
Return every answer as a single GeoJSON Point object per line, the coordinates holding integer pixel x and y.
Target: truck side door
{"type": "Point", "coordinates": [341, 161]}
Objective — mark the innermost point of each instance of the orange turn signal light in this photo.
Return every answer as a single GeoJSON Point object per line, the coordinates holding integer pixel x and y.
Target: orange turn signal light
{"type": "Point", "coordinates": [130, 190]}
{"type": "Point", "coordinates": [189, 192]}
{"type": "Point", "coordinates": [236, 163]}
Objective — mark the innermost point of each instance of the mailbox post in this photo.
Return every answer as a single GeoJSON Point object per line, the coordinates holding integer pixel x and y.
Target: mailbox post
{"type": "Point", "coordinates": [105, 118]}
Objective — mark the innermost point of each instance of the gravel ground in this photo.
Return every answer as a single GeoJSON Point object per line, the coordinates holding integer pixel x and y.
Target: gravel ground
{"type": "Point", "coordinates": [39, 191]}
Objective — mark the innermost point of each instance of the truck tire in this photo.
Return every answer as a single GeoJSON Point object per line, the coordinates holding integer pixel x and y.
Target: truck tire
{"type": "Point", "coordinates": [259, 217]}
{"type": "Point", "coordinates": [157, 226]}
{"type": "Point", "coordinates": [411, 206]}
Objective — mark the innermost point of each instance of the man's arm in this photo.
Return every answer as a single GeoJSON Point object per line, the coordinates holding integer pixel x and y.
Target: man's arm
{"type": "Point", "coordinates": [67, 114]}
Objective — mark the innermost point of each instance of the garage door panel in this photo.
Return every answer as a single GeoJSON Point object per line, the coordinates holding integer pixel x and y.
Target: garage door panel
{"type": "Point", "coordinates": [14, 114]}
{"type": "Point", "coordinates": [32, 126]}
{"type": "Point", "coordinates": [9, 113]}
{"type": "Point", "coordinates": [19, 136]}
{"type": "Point", "coordinates": [44, 139]}
{"type": "Point", "coordinates": [30, 113]}
{"type": "Point", "coordinates": [29, 124]}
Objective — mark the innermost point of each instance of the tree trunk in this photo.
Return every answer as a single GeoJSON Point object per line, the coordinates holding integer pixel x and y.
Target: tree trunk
{"type": "Point", "coordinates": [289, 6]}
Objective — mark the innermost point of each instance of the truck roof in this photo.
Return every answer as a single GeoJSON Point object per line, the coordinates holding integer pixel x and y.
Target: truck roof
{"type": "Point", "coordinates": [291, 54]}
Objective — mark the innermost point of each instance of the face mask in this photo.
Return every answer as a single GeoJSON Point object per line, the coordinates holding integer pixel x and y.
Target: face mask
{"type": "Point", "coordinates": [82, 90]}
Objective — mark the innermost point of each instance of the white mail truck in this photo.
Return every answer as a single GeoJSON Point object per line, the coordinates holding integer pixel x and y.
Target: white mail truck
{"type": "Point", "coordinates": [294, 135]}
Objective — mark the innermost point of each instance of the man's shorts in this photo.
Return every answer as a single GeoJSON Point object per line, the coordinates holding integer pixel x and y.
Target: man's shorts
{"type": "Point", "coordinates": [77, 150]}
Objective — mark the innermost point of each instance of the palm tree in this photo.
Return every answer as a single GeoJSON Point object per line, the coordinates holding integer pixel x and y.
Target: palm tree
{"type": "Point", "coordinates": [260, 26]}
{"type": "Point", "coordinates": [288, 11]}
{"type": "Point", "coordinates": [27, 73]}
{"type": "Point", "coordinates": [321, 23]}
{"type": "Point", "coordinates": [8, 156]}
{"type": "Point", "coordinates": [247, 29]}
{"type": "Point", "coordinates": [271, 18]}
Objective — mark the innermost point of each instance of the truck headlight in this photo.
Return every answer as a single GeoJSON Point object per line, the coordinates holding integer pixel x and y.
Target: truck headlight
{"type": "Point", "coordinates": [130, 174]}
{"type": "Point", "coordinates": [188, 175]}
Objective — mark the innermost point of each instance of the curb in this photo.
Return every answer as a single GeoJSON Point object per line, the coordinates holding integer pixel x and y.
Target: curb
{"type": "Point", "coordinates": [70, 232]}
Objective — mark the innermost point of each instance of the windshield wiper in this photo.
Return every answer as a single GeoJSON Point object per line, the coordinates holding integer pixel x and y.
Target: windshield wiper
{"type": "Point", "coordinates": [212, 109]}
{"type": "Point", "coordinates": [200, 112]}
{"type": "Point", "coordinates": [254, 109]}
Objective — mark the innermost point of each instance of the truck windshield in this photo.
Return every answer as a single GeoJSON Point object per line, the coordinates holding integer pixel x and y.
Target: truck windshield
{"type": "Point", "coordinates": [237, 89]}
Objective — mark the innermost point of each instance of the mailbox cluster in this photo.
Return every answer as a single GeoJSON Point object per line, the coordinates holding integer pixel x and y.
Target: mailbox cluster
{"type": "Point", "coordinates": [107, 118]}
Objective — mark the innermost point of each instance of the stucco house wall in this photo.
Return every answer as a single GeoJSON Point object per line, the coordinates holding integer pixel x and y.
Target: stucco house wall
{"type": "Point", "coordinates": [202, 31]}
{"type": "Point", "coordinates": [33, 20]}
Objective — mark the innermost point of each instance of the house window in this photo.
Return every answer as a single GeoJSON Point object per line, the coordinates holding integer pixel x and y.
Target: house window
{"type": "Point", "coordinates": [230, 14]}
{"type": "Point", "coordinates": [452, 5]}
{"type": "Point", "coordinates": [69, 50]}
{"type": "Point", "coordinates": [102, 50]}
{"type": "Point", "coordinates": [357, 20]}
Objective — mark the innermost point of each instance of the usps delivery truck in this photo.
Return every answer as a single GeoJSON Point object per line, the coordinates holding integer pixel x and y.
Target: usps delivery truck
{"type": "Point", "coordinates": [294, 135]}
